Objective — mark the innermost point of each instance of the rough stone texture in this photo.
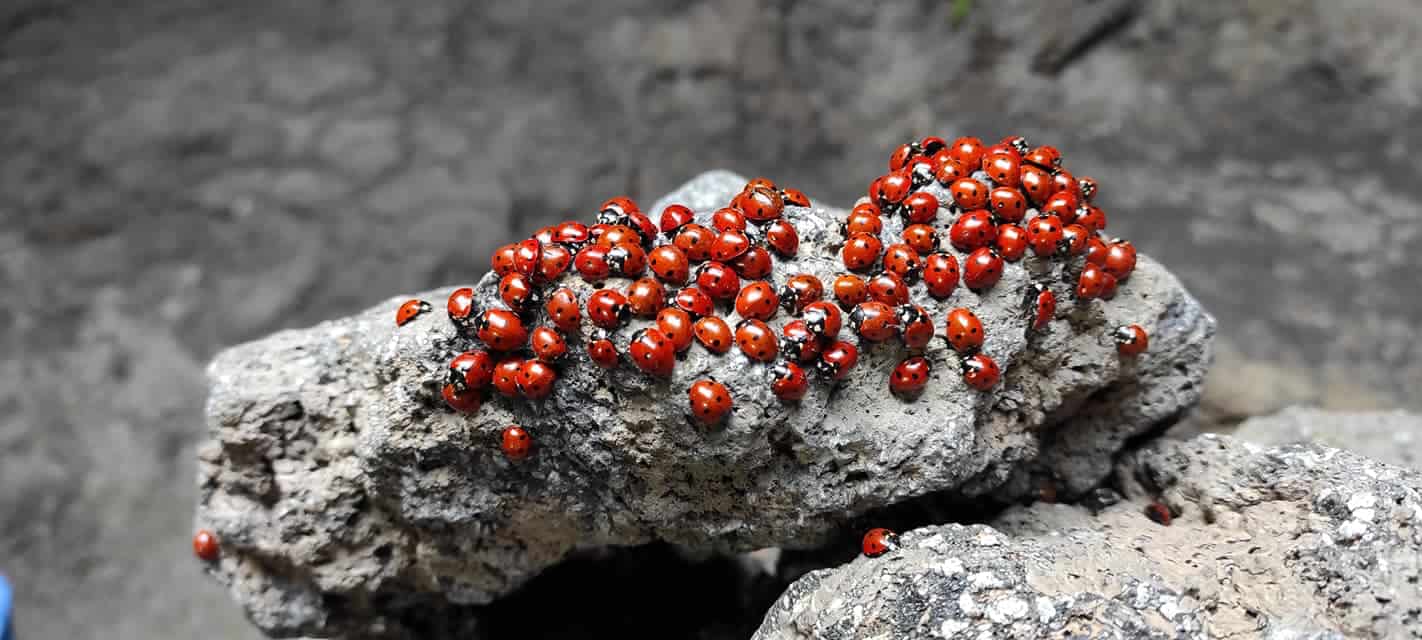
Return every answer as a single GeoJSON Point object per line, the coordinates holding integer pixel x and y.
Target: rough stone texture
{"type": "Point", "coordinates": [1292, 542]}
{"type": "Point", "coordinates": [335, 474]}
{"type": "Point", "coordinates": [1394, 437]}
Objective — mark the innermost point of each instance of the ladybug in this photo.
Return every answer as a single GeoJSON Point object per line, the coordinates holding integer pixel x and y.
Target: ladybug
{"type": "Point", "coordinates": [878, 542]}
{"type": "Point", "coordinates": [757, 300]}
{"type": "Point", "coordinates": [608, 308]}
{"type": "Point", "coordinates": [627, 259]}
{"type": "Point", "coordinates": [967, 150]}
{"type": "Point", "coordinates": [205, 545]}
{"type": "Point", "coordinates": [822, 319]}
{"type": "Point", "coordinates": [964, 330]}
{"type": "Point", "coordinates": [527, 255]}
{"type": "Point", "coordinates": [562, 309]}
{"type": "Point", "coordinates": [619, 206]}
{"type": "Point", "coordinates": [920, 207]}
{"type": "Point", "coordinates": [940, 274]}
{"type": "Point", "coordinates": [1046, 157]}
{"type": "Point", "coordinates": [1007, 204]}
{"type": "Point", "coordinates": [754, 264]}
{"type": "Point", "coordinates": [644, 227]}
{"type": "Point", "coordinates": [760, 183]}
{"type": "Point", "coordinates": [909, 377]}
{"type": "Point", "coordinates": [873, 321]}
{"type": "Point", "coordinates": [677, 326]}
{"type": "Point", "coordinates": [728, 219]}
{"type": "Point", "coordinates": [409, 310]}
{"type": "Point", "coordinates": [1108, 288]}
{"type": "Point", "coordinates": [535, 379]}
{"type": "Point", "coordinates": [797, 342]}
{"type": "Point", "coordinates": [1120, 260]}
{"type": "Point", "coordinates": [922, 170]}
{"type": "Point", "coordinates": [759, 204]}
{"type": "Point", "coordinates": [1011, 242]}
{"type": "Point", "coordinates": [602, 352]}
{"type": "Point", "coordinates": [1036, 183]}
{"type": "Point", "coordinates": [471, 370]}
{"type": "Point", "coordinates": [1096, 250]}
{"type": "Point", "coordinates": [891, 188]}
{"type": "Point", "coordinates": [915, 326]}
{"type": "Point", "coordinates": [861, 250]}
{"type": "Point", "coordinates": [669, 264]}
{"type": "Point", "coordinates": [516, 290]}
{"type": "Point", "coordinates": [674, 216]}
{"type": "Point", "coordinates": [695, 241]}
{"type": "Point", "coordinates": [596, 232]}
{"type": "Point", "coordinates": [571, 233]}
{"type": "Point", "coordinates": [788, 382]}
{"type": "Point", "coordinates": [718, 281]}
{"type": "Point", "coordinates": [710, 402]}
{"type": "Point", "coordinates": [1091, 217]}
{"type": "Point", "coordinates": [714, 334]}
{"type": "Point", "coordinates": [982, 270]}
{"type": "Point", "coordinates": [1074, 238]}
{"type": "Point", "coordinates": [1092, 282]}
{"type": "Point", "coordinates": [1131, 340]}
{"type": "Point", "coordinates": [591, 263]}
{"type": "Point", "coordinates": [501, 329]}
{"type": "Point", "coordinates": [545, 235]}
{"type": "Point", "coordinates": [556, 260]}
{"type": "Point", "coordinates": [1159, 513]}
{"type": "Point", "coordinates": [1004, 168]}
{"type": "Point", "coordinates": [506, 374]}
{"type": "Point", "coordinates": [969, 194]}
{"type": "Point", "coordinates": [930, 145]}
{"type": "Point", "coordinates": [887, 287]}
{"type": "Point", "coordinates": [783, 238]}
{"type": "Point", "coordinates": [757, 340]}
{"type": "Point", "coordinates": [1017, 144]}
{"type": "Point", "coordinates": [1087, 186]}
{"type": "Point", "coordinates": [463, 401]}
{"type": "Point", "coordinates": [693, 301]}
{"type": "Point", "coordinates": [653, 352]}
{"type": "Point", "coordinates": [901, 156]}
{"type": "Point", "coordinates": [1063, 205]}
{"type": "Point", "coordinates": [838, 359]}
{"type": "Point", "coordinates": [850, 290]}
{"type": "Point", "coordinates": [730, 244]}
{"type": "Point", "coordinates": [517, 444]}
{"type": "Point", "coordinates": [946, 170]}
{"type": "Point", "coordinates": [798, 291]}
{"type": "Point", "coordinates": [972, 230]}
{"type": "Point", "coordinates": [502, 261]}
{"type": "Point", "coordinates": [1044, 233]}
{"type": "Point", "coordinates": [1044, 306]}
{"type": "Point", "coordinates": [980, 371]}
{"type": "Point", "coordinates": [461, 310]}
{"type": "Point", "coordinates": [923, 238]}
{"type": "Point", "coordinates": [646, 297]}
{"type": "Point", "coordinates": [1062, 181]}
{"type": "Point", "coordinates": [902, 261]}
{"type": "Point", "coordinates": [548, 345]}
{"type": "Point", "coordinates": [794, 197]}
{"type": "Point", "coordinates": [863, 220]}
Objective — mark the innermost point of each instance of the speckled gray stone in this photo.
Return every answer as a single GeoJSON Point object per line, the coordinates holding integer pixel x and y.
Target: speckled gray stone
{"type": "Point", "coordinates": [1293, 542]}
{"type": "Point", "coordinates": [1394, 437]}
{"type": "Point", "coordinates": [347, 497]}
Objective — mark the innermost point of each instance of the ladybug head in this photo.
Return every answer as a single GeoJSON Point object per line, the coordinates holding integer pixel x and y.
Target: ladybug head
{"type": "Point", "coordinates": [794, 346]}
{"type": "Point", "coordinates": [1123, 335]}
{"type": "Point", "coordinates": [815, 320]}
{"type": "Point", "coordinates": [781, 372]}
{"type": "Point", "coordinates": [828, 369]}
{"type": "Point", "coordinates": [909, 314]}
{"type": "Point", "coordinates": [856, 318]}
{"type": "Point", "coordinates": [613, 215]}
{"type": "Point", "coordinates": [789, 300]}
{"type": "Point", "coordinates": [617, 258]}
{"type": "Point", "coordinates": [1019, 144]}
{"type": "Point", "coordinates": [1088, 189]}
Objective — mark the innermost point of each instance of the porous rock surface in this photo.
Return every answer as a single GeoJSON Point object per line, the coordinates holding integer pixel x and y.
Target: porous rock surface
{"type": "Point", "coordinates": [349, 500]}
{"type": "Point", "coordinates": [1300, 541]}
{"type": "Point", "coordinates": [1394, 437]}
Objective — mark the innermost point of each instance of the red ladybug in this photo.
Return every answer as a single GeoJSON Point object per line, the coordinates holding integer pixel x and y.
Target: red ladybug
{"type": "Point", "coordinates": [980, 371]}
{"type": "Point", "coordinates": [861, 251]}
{"type": "Point", "coordinates": [972, 230]}
{"type": "Point", "coordinates": [964, 330]}
{"type": "Point", "coordinates": [946, 170]}
{"type": "Point", "coordinates": [619, 205]}
{"type": "Point", "coordinates": [548, 345]}
{"type": "Point", "coordinates": [571, 233]}
{"type": "Point", "coordinates": [506, 374]}
{"type": "Point", "coordinates": [1087, 186]}
{"type": "Point", "coordinates": [516, 290]}
{"type": "Point", "coordinates": [798, 343]}
{"type": "Point", "coordinates": [669, 264]}
{"type": "Point", "coordinates": [646, 297]}
{"type": "Point", "coordinates": [602, 352]}
{"type": "Point", "coordinates": [1092, 282]}
{"type": "Point", "coordinates": [653, 352]}
{"type": "Point", "coordinates": [878, 542]}
{"type": "Point", "coordinates": [850, 290]}
{"type": "Point", "coordinates": [644, 227]}
{"type": "Point", "coordinates": [967, 150]}
{"type": "Point", "coordinates": [800, 290]}
{"type": "Point", "coordinates": [535, 379]}
{"type": "Point", "coordinates": [627, 259]}
{"type": "Point", "coordinates": [710, 402]}
{"type": "Point", "coordinates": [757, 300]}
{"type": "Point", "coordinates": [1096, 250]}
{"type": "Point", "coordinates": [728, 219]}
{"type": "Point", "coordinates": [1044, 306]}
{"type": "Point", "coordinates": [969, 194]}
{"type": "Point", "coordinates": [1159, 513]}
{"type": "Point", "coordinates": [783, 238]}
{"type": "Point", "coordinates": [1131, 340]}
{"type": "Point", "coordinates": [1074, 238]}
{"type": "Point", "coordinates": [891, 188]}
{"type": "Point", "coordinates": [760, 183]}
{"type": "Point", "coordinates": [982, 270]}
{"type": "Point", "coordinates": [1063, 181]}
{"type": "Point", "coordinates": [714, 334]}
{"type": "Point", "coordinates": [501, 329]}
{"type": "Point", "coordinates": [1016, 144]}
{"type": "Point", "coordinates": [694, 301]}
{"type": "Point", "coordinates": [463, 401]}
{"type": "Point", "coordinates": [526, 256]}
{"type": "Point", "coordinates": [409, 310]}
{"type": "Point", "coordinates": [902, 261]}
{"type": "Point", "coordinates": [910, 377]}
{"type": "Point", "coordinates": [1007, 204]}
{"type": "Point", "coordinates": [516, 444]}
{"type": "Point", "coordinates": [730, 244]}
{"type": "Point", "coordinates": [1044, 233]}
{"type": "Point", "coordinates": [1063, 205]}
{"type": "Point", "coordinates": [823, 319]}
{"type": "Point", "coordinates": [788, 382]}
{"type": "Point", "coordinates": [471, 370]}
{"type": "Point", "coordinates": [1036, 183]}
{"type": "Point", "coordinates": [1108, 287]}
{"type": "Point", "coordinates": [915, 326]}
{"type": "Point", "coordinates": [591, 263]}
{"type": "Point", "coordinates": [901, 156]}
{"type": "Point", "coordinates": [502, 261]}
{"type": "Point", "coordinates": [759, 204]}
{"type": "Point", "coordinates": [1011, 242]}
{"type": "Point", "coordinates": [1046, 157]}
{"type": "Point", "coordinates": [205, 545]}
{"type": "Point", "coordinates": [920, 207]}
{"type": "Point", "coordinates": [1120, 260]}
{"type": "Point", "coordinates": [922, 169]}
{"type": "Point", "coordinates": [674, 216]}
{"type": "Point", "coordinates": [930, 145]}
{"type": "Point", "coordinates": [461, 310]}
{"type": "Point", "coordinates": [873, 321]}
{"type": "Point", "coordinates": [718, 281]}
{"type": "Point", "coordinates": [556, 260]}
{"type": "Point", "coordinates": [838, 359]}
{"type": "Point", "coordinates": [794, 197]}
{"type": "Point", "coordinates": [754, 264]}
{"type": "Point", "coordinates": [757, 340]}
{"type": "Point", "coordinates": [1004, 168]}
{"type": "Point", "coordinates": [863, 220]}
{"type": "Point", "coordinates": [562, 309]}
{"type": "Point", "coordinates": [677, 326]}
{"type": "Point", "coordinates": [695, 241]}
{"type": "Point", "coordinates": [887, 287]}
{"type": "Point", "coordinates": [923, 238]}
{"type": "Point", "coordinates": [608, 308]}
{"type": "Point", "coordinates": [940, 274]}
{"type": "Point", "coordinates": [1091, 217]}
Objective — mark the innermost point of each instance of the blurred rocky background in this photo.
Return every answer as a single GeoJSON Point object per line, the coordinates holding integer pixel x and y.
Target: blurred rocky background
{"type": "Point", "coordinates": [177, 176]}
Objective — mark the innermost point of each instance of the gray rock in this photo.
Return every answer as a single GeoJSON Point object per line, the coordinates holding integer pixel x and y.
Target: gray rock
{"type": "Point", "coordinates": [347, 497]}
{"type": "Point", "coordinates": [1394, 437]}
{"type": "Point", "coordinates": [1293, 542]}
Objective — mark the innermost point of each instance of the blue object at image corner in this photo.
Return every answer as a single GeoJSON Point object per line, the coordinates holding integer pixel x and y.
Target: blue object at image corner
{"type": "Point", "coordinates": [5, 610]}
